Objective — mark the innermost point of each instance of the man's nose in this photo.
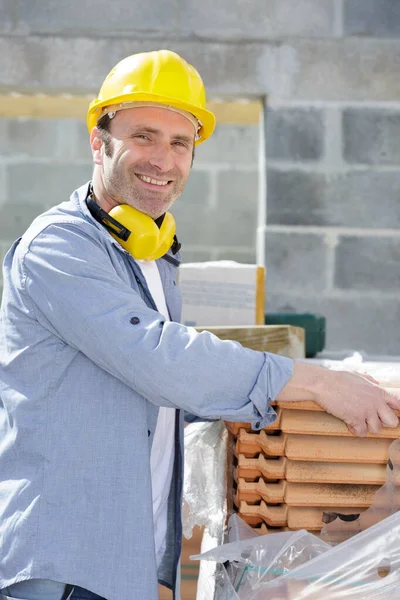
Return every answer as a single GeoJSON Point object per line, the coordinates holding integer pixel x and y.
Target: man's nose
{"type": "Point", "coordinates": [161, 157]}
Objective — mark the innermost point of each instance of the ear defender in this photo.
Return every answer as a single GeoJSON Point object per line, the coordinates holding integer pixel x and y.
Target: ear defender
{"type": "Point", "coordinates": [146, 240]}
{"type": "Point", "coordinates": [137, 233]}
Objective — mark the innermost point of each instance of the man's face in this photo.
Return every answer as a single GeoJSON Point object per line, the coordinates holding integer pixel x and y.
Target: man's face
{"type": "Point", "coordinates": [147, 160]}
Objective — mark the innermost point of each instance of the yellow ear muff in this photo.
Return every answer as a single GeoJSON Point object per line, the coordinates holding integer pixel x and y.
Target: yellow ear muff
{"type": "Point", "coordinates": [146, 241]}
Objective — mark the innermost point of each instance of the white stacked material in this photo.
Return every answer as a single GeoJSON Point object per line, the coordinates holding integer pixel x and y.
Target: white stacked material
{"type": "Point", "coordinates": [222, 293]}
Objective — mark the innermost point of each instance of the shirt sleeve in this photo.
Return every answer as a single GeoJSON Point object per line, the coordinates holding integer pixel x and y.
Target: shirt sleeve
{"type": "Point", "coordinates": [76, 293]}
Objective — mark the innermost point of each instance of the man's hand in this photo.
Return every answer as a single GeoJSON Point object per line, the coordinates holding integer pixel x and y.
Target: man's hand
{"type": "Point", "coordinates": [355, 399]}
{"type": "Point", "coordinates": [363, 405]}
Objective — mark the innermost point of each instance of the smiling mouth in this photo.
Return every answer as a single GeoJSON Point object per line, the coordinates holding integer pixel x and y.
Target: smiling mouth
{"type": "Point", "coordinates": [158, 182]}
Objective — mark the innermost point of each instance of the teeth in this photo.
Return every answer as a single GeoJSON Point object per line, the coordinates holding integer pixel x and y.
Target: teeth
{"type": "Point", "coordinates": [153, 181]}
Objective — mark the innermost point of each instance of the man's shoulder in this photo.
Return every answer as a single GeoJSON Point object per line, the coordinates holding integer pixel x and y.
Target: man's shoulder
{"type": "Point", "coordinates": [64, 216]}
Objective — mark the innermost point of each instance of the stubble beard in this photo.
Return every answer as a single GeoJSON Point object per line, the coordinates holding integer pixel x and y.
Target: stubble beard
{"type": "Point", "coordinates": [126, 190]}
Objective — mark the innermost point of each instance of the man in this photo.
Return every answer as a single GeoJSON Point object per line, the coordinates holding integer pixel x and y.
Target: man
{"type": "Point", "coordinates": [96, 371]}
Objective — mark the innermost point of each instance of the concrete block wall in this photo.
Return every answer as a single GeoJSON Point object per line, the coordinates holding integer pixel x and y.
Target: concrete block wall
{"type": "Point", "coordinates": [217, 213]}
{"type": "Point", "coordinates": [42, 161]}
{"type": "Point", "coordinates": [333, 214]}
{"type": "Point", "coordinates": [328, 71]}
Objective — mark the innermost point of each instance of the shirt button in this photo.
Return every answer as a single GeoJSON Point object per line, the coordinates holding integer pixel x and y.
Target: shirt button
{"type": "Point", "coordinates": [135, 320]}
{"type": "Point", "coordinates": [258, 424]}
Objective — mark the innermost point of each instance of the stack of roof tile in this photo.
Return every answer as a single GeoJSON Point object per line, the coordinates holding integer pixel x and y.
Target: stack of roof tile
{"type": "Point", "coordinates": [306, 469]}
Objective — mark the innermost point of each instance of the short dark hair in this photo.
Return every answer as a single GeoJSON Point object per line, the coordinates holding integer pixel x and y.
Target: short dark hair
{"type": "Point", "coordinates": [103, 125]}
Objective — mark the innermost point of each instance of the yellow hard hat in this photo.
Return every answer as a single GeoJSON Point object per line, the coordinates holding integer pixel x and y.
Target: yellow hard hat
{"type": "Point", "coordinates": [162, 77]}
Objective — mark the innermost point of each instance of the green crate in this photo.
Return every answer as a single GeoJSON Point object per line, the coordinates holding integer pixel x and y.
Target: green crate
{"type": "Point", "coordinates": [314, 326]}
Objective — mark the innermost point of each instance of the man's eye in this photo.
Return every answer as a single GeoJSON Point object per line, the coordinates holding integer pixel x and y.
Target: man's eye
{"type": "Point", "coordinates": [141, 136]}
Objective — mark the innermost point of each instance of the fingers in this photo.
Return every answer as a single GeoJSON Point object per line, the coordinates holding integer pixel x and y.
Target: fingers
{"type": "Point", "coordinates": [392, 397]}
{"type": "Point", "coordinates": [387, 416]}
{"type": "Point", "coordinates": [374, 424]}
{"type": "Point", "coordinates": [359, 429]}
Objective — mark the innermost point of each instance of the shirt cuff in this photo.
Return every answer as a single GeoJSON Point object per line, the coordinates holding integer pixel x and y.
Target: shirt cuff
{"type": "Point", "coordinates": [273, 377]}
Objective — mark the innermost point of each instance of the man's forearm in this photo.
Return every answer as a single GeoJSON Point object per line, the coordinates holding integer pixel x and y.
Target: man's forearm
{"type": "Point", "coordinates": [305, 383]}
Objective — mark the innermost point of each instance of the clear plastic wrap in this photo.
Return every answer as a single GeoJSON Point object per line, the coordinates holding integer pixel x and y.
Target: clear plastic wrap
{"type": "Point", "coordinates": [238, 530]}
{"type": "Point", "coordinates": [364, 567]}
{"type": "Point", "coordinates": [204, 489]}
{"type": "Point", "coordinates": [299, 566]}
{"type": "Point", "coordinates": [255, 559]}
{"type": "Point", "coordinates": [205, 493]}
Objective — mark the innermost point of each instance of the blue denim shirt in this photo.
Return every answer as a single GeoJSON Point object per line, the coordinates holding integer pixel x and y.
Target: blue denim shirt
{"type": "Point", "coordinates": [85, 362]}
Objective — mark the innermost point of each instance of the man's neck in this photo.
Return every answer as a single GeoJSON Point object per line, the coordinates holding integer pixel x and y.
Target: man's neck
{"type": "Point", "coordinates": [100, 197]}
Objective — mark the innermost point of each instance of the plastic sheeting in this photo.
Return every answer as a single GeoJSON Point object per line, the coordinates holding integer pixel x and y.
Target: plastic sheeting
{"type": "Point", "coordinates": [204, 487]}
{"type": "Point", "coordinates": [300, 566]}
{"type": "Point", "coordinates": [205, 493]}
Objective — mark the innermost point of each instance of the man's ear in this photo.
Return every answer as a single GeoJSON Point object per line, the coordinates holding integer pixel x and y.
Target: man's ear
{"type": "Point", "coordinates": [96, 144]}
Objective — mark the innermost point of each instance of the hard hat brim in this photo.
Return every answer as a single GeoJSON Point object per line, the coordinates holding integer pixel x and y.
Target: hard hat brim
{"type": "Point", "coordinates": [206, 117]}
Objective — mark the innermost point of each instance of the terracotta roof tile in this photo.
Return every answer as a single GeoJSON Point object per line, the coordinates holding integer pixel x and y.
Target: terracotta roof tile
{"type": "Point", "coordinates": [306, 494]}
{"type": "Point", "coordinates": [311, 447]}
{"type": "Point", "coordinates": [290, 516]}
{"type": "Point", "coordinates": [309, 471]}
